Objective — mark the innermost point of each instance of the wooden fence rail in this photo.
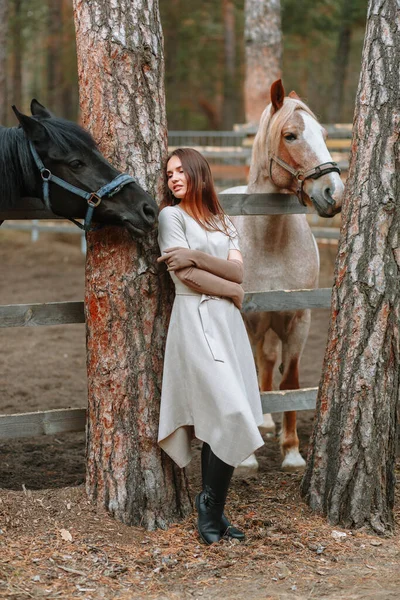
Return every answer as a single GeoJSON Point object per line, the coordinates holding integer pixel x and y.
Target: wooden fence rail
{"type": "Point", "coordinates": [61, 313]}
{"type": "Point", "coordinates": [67, 313]}
{"type": "Point", "coordinates": [50, 422]}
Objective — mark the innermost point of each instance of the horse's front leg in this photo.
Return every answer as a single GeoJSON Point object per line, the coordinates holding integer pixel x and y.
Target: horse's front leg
{"type": "Point", "coordinates": [267, 351]}
{"type": "Point", "coordinates": [296, 332]}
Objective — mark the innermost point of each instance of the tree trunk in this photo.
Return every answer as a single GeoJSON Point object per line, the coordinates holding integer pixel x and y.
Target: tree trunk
{"type": "Point", "coordinates": [263, 41]}
{"type": "Point", "coordinates": [341, 63]}
{"type": "Point", "coordinates": [16, 54]}
{"type": "Point", "coordinates": [55, 44]}
{"type": "Point", "coordinates": [69, 94]}
{"type": "Point", "coordinates": [3, 61]}
{"type": "Point", "coordinates": [121, 68]}
{"type": "Point", "coordinates": [229, 100]}
{"type": "Point", "coordinates": [350, 469]}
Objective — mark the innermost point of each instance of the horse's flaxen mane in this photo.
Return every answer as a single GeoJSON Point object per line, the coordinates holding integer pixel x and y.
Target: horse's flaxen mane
{"type": "Point", "coordinates": [268, 136]}
{"type": "Point", "coordinates": [18, 174]}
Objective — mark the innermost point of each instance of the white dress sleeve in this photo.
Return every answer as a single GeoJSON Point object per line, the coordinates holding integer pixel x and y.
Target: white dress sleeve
{"type": "Point", "coordinates": [171, 229]}
{"type": "Point", "coordinates": [233, 237]}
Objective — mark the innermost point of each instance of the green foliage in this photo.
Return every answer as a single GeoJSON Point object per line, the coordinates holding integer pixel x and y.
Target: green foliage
{"type": "Point", "coordinates": [195, 55]}
{"type": "Point", "coordinates": [30, 34]}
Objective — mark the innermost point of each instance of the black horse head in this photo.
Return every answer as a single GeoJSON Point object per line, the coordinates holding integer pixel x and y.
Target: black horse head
{"type": "Point", "coordinates": [69, 153]}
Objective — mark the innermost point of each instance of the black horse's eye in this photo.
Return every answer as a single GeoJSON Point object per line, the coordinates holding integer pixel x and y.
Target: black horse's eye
{"type": "Point", "coordinates": [76, 164]}
{"type": "Point", "coordinates": [289, 137]}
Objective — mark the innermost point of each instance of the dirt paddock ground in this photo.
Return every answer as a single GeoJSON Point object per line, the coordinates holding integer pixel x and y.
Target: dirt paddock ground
{"type": "Point", "coordinates": [55, 544]}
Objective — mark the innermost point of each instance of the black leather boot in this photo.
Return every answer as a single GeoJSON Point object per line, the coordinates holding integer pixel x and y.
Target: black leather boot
{"type": "Point", "coordinates": [226, 528]}
{"type": "Point", "coordinates": [211, 501]}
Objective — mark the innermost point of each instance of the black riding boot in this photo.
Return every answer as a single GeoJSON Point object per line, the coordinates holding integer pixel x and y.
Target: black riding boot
{"type": "Point", "coordinates": [226, 529]}
{"type": "Point", "coordinates": [211, 501]}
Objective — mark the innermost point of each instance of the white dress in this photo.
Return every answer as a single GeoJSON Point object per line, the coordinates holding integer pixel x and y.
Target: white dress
{"type": "Point", "coordinates": [210, 387]}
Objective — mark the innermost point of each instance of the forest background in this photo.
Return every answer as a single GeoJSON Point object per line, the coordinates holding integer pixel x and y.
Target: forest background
{"type": "Point", "coordinates": [322, 44]}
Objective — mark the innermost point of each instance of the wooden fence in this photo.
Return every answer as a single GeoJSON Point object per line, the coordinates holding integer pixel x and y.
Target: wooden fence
{"type": "Point", "coordinates": [63, 313]}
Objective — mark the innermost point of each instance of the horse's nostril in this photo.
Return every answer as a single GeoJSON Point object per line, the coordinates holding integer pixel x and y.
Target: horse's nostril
{"type": "Point", "coordinates": [328, 196]}
{"type": "Point", "coordinates": [149, 211]}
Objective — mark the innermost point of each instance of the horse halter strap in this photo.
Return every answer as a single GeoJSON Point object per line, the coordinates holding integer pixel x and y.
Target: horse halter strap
{"type": "Point", "coordinates": [301, 176]}
{"type": "Point", "coordinates": [93, 198]}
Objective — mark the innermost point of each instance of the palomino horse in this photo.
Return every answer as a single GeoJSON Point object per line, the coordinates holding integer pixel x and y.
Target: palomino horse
{"type": "Point", "coordinates": [58, 161]}
{"type": "Point", "coordinates": [279, 251]}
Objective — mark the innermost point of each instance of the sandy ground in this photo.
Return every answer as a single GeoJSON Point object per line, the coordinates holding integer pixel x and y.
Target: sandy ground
{"type": "Point", "coordinates": [54, 544]}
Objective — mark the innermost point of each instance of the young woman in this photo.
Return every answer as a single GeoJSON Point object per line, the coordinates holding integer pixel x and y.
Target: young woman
{"type": "Point", "coordinates": [210, 387]}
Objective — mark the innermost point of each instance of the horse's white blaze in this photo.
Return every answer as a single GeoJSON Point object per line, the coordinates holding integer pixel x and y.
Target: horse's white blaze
{"type": "Point", "coordinates": [314, 138]}
{"type": "Point", "coordinates": [293, 461]}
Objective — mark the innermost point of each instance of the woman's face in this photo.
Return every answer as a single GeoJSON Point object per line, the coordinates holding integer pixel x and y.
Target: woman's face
{"type": "Point", "coordinates": [177, 180]}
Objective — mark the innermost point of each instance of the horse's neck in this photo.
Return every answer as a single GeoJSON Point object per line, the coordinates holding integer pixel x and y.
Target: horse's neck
{"type": "Point", "coordinates": [274, 246]}
{"type": "Point", "coordinates": [16, 175]}
{"type": "Point", "coordinates": [260, 183]}
{"type": "Point", "coordinates": [269, 227]}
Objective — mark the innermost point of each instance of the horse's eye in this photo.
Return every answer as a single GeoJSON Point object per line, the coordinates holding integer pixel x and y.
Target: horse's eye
{"type": "Point", "coordinates": [289, 137]}
{"type": "Point", "coordinates": [76, 164]}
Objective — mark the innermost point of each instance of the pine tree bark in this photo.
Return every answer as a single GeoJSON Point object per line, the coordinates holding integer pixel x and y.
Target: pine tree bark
{"type": "Point", "coordinates": [128, 301]}
{"type": "Point", "coordinates": [263, 41]}
{"type": "Point", "coordinates": [350, 469]}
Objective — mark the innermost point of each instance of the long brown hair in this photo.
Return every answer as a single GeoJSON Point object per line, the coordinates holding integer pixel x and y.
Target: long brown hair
{"type": "Point", "coordinates": [204, 205]}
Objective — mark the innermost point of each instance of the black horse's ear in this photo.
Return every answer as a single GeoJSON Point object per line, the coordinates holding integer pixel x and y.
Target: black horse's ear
{"type": "Point", "coordinates": [38, 110]}
{"type": "Point", "coordinates": [33, 129]}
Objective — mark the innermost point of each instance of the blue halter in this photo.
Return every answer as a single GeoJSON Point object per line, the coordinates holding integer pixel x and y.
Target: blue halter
{"type": "Point", "coordinates": [93, 198]}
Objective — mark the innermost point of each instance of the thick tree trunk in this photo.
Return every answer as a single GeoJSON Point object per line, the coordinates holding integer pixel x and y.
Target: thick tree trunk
{"type": "Point", "coordinates": [263, 40]}
{"type": "Point", "coordinates": [341, 63]}
{"type": "Point", "coordinates": [55, 45]}
{"type": "Point", "coordinates": [229, 101]}
{"type": "Point", "coordinates": [16, 54]}
{"type": "Point", "coordinates": [3, 61]}
{"type": "Point", "coordinates": [121, 68]}
{"type": "Point", "coordinates": [350, 469]}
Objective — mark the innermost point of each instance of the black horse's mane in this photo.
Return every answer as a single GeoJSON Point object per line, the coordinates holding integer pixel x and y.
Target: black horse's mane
{"type": "Point", "coordinates": [18, 173]}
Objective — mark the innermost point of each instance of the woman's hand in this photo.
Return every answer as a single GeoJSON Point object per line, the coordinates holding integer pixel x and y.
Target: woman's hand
{"type": "Point", "coordinates": [238, 296]}
{"type": "Point", "coordinates": [178, 258]}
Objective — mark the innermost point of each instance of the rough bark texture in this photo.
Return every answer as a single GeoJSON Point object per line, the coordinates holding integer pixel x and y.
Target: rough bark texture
{"type": "Point", "coordinates": [350, 470]}
{"type": "Point", "coordinates": [263, 40]}
{"type": "Point", "coordinates": [3, 61]}
{"type": "Point", "coordinates": [121, 68]}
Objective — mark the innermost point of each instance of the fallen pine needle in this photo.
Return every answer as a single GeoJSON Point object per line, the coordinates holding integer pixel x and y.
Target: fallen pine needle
{"type": "Point", "coordinates": [69, 570]}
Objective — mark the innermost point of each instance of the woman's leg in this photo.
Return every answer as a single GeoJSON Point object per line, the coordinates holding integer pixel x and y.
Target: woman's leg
{"type": "Point", "coordinates": [211, 501]}
{"type": "Point", "coordinates": [226, 528]}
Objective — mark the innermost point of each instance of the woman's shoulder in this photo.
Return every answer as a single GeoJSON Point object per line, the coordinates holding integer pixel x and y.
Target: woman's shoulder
{"type": "Point", "coordinates": [170, 215]}
{"type": "Point", "coordinates": [170, 212]}
{"type": "Point", "coordinates": [230, 227]}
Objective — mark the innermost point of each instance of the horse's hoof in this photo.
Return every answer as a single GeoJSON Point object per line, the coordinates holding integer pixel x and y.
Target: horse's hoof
{"type": "Point", "coordinates": [293, 462]}
{"type": "Point", "coordinates": [247, 468]}
{"type": "Point", "coordinates": [268, 426]}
